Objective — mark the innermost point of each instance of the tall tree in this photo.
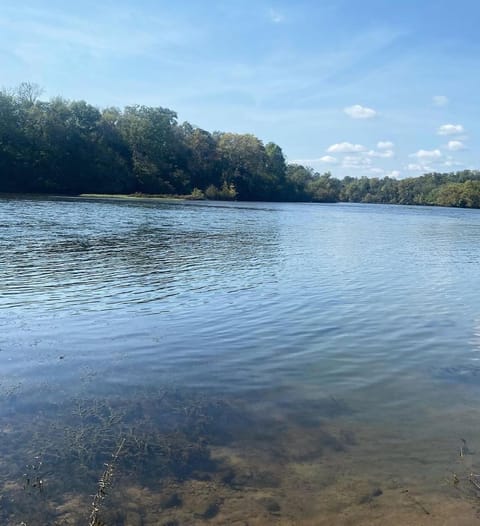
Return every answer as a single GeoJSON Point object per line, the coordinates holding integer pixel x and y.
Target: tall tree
{"type": "Point", "coordinates": [150, 134]}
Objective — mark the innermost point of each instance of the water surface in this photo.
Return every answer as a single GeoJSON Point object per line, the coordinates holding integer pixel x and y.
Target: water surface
{"type": "Point", "coordinates": [258, 363]}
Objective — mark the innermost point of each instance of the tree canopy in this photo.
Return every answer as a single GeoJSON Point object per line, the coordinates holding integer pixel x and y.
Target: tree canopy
{"type": "Point", "coordinates": [71, 147]}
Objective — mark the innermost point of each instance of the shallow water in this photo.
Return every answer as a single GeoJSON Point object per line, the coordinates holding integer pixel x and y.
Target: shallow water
{"type": "Point", "coordinates": [258, 363]}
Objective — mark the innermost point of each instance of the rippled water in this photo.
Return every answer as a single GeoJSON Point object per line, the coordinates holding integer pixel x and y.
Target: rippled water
{"type": "Point", "coordinates": [321, 361]}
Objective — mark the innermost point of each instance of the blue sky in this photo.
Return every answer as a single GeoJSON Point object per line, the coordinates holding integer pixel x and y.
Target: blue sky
{"type": "Point", "coordinates": [370, 87]}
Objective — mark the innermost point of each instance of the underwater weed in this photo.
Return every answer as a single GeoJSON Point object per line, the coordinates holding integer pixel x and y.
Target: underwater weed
{"type": "Point", "coordinates": [103, 484]}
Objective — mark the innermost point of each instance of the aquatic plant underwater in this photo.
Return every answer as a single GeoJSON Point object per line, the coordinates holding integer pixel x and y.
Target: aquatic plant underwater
{"type": "Point", "coordinates": [162, 442]}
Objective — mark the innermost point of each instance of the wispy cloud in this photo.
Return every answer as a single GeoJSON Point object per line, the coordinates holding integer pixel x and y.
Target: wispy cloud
{"type": "Point", "coordinates": [109, 34]}
{"type": "Point", "coordinates": [275, 16]}
{"type": "Point", "coordinates": [440, 100]}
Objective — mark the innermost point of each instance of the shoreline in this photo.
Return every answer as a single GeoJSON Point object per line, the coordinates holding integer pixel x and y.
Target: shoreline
{"type": "Point", "coordinates": [189, 198]}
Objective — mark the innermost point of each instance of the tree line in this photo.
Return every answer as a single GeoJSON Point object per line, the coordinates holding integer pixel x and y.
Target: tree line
{"type": "Point", "coordinates": [71, 147]}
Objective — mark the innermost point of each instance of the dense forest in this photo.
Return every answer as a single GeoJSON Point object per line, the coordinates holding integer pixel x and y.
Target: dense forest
{"type": "Point", "coordinates": [71, 147]}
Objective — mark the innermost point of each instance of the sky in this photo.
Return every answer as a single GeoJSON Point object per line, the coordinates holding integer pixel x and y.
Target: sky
{"type": "Point", "coordinates": [362, 88]}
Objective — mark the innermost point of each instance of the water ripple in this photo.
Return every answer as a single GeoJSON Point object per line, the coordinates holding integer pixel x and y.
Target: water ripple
{"type": "Point", "coordinates": [240, 297]}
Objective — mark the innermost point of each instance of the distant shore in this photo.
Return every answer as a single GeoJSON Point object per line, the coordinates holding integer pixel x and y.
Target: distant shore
{"type": "Point", "coordinates": [196, 197]}
{"type": "Point", "coordinates": [156, 197]}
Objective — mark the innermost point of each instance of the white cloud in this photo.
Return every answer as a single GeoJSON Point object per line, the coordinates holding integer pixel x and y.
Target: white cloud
{"type": "Point", "coordinates": [328, 159]}
{"type": "Point", "coordinates": [325, 159]}
{"type": "Point", "coordinates": [455, 146]}
{"type": "Point", "coordinates": [451, 162]}
{"type": "Point", "coordinates": [345, 147]}
{"type": "Point", "coordinates": [440, 100]}
{"type": "Point", "coordinates": [420, 168]}
{"type": "Point", "coordinates": [385, 173]}
{"type": "Point", "coordinates": [395, 174]}
{"type": "Point", "coordinates": [427, 154]}
{"type": "Point", "coordinates": [450, 129]}
{"type": "Point", "coordinates": [385, 145]}
{"type": "Point", "coordinates": [360, 112]}
{"type": "Point", "coordinates": [355, 161]}
{"type": "Point", "coordinates": [388, 154]}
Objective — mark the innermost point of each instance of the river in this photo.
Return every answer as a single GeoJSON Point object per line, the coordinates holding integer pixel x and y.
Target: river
{"type": "Point", "coordinates": [238, 363]}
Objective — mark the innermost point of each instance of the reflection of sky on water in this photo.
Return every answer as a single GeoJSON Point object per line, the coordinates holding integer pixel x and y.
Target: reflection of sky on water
{"type": "Point", "coordinates": [305, 298]}
{"type": "Point", "coordinates": [329, 329]}
{"type": "Point", "coordinates": [476, 340]}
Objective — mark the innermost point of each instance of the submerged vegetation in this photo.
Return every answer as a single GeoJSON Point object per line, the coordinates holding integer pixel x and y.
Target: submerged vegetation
{"type": "Point", "coordinates": [162, 457]}
{"type": "Point", "coordinates": [71, 147]}
{"type": "Point", "coordinates": [167, 457]}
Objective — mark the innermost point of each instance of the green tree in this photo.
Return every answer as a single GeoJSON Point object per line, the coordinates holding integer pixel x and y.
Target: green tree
{"type": "Point", "coordinates": [151, 137]}
{"type": "Point", "coordinates": [324, 188]}
{"type": "Point", "coordinates": [243, 163]}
